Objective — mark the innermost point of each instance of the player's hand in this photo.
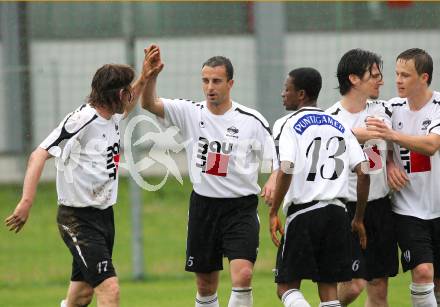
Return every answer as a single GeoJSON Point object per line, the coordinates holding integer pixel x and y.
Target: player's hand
{"type": "Point", "coordinates": [267, 193]}
{"type": "Point", "coordinates": [379, 129]}
{"type": "Point", "coordinates": [275, 227]}
{"type": "Point", "coordinates": [359, 228]}
{"type": "Point", "coordinates": [396, 177]}
{"type": "Point", "coordinates": [152, 65]}
{"type": "Point", "coordinates": [16, 220]}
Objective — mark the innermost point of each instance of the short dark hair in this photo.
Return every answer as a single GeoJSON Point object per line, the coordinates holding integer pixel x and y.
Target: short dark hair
{"type": "Point", "coordinates": [221, 61]}
{"type": "Point", "coordinates": [107, 82]}
{"type": "Point", "coordinates": [422, 61]}
{"type": "Point", "coordinates": [307, 79]}
{"type": "Point", "coordinates": [355, 62]}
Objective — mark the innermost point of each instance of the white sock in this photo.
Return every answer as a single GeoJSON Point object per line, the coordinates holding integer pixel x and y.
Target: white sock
{"type": "Point", "coordinates": [330, 304]}
{"type": "Point", "coordinates": [294, 298]}
{"type": "Point", "coordinates": [241, 297]}
{"type": "Point", "coordinates": [207, 301]}
{"type": "Point", "coordinates": [63, 303]}
{"type": "Point", "coordinates": [422, 295]}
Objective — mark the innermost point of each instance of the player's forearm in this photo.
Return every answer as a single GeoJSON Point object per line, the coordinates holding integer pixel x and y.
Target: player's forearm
{"type": "Point", "coordinates": [362, 134]}
{"type": "Point", "coordinates": [150, 101]}
{"type": "Point", "coordinates": [34, 169]}
{"type": "Point", "coordinates": [363, 187]}
{"type": "Point", "coordinates": [424, 144]}
{"type": "Point", "coordinates": [137, 87]}
{"type": "Point", "coordinates": [283, 181]}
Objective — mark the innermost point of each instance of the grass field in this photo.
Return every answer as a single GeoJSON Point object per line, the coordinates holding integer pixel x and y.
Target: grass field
{"type": "Point", "coordinates": [35, 265]}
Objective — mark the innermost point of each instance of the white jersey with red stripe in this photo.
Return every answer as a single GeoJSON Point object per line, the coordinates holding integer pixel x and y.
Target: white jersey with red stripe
{"type": "Point", "coordinates": [376, 150]}
{"type": "Point", "coordinates": [421, 196]}
{"type": "Point", "coordinates": [223, 151]}
{"type": "Point", "coordinates": [86, 150]}
{"type": "Point", "coordinates": [323, 151]}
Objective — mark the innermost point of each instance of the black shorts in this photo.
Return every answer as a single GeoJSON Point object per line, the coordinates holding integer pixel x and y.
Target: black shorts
{"type": "Point", "coordinates": [419, 242]}
{"type": "Point", "coordinates": [221, 227]}
{"type": "Point", "coordinates": [316, 245]}
{"type": "Point", "coordinates": [89, 234]}
{"type": "Point", "coordinates": [380, 258]}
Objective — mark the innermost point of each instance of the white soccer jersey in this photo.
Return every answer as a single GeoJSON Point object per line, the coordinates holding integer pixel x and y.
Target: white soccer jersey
{"type": "Point", "coordinates": [223, 151]}
{"type": "Point", "coordinates": [86, 149]}
{"type": "Point", "coordinates": [323, 151]}
{"type": "Point", "coordinates": [421, 196]}
{"type": "Point", "coordinates": [378, 182]}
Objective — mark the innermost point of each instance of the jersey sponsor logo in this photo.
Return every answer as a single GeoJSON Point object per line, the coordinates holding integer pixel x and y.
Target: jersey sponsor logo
{"type": "Point", "coordinates": [113, 160]}
{"type": "Point", "coordinates": [309, 120]}
{"type": "Point", "coordinates": [213, 156]}
{"type": "Point", "coordinates": [414, 162]}
{"type": "Point", "coordinates": [232, 132]}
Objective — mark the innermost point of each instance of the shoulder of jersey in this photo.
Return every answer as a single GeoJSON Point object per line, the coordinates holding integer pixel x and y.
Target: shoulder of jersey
{"type": "Point", "coordinates": [397, 102]}
{"type": "Point", "coordinates": [252, 113]}
{"type": "Point", "coordinates": [79, 118]}
{"type": "Point", "coordinates": [304, 111]}
{"type": "Point", "coordinates": [334, 109]}
{"type": "Point", "coordinates": [279, 125]}
{"type": "Point", "coordinates": [381, 105]}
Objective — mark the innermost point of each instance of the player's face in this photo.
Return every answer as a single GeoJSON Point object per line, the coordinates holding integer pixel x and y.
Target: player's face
{"type": "Point", "coordinates": [408, 81]}
{"type": "Point", "coordinates": [215, 84]}
{"type": "Point", "coordinates": [371, 82]}
{"type": "Point", "coordinates": [290, 95]}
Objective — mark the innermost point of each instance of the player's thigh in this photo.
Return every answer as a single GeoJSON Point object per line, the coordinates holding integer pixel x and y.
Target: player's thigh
{"type": "Point", "coordinates": [240, 230]}
{"type": "Point", "coordinates": [415, 241]}
{"type": "Point", "coordinates": [203, 245]}
{"type": "Point", "coordinates": [83, 232]}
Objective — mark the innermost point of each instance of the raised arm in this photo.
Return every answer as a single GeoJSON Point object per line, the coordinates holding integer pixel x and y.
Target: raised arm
{"type": "Point", "coordinates": [150, 101]}
{"type": "Point", "coordinates": [148, 71]}
{"type": "Point", "coordinates": [18, 218]}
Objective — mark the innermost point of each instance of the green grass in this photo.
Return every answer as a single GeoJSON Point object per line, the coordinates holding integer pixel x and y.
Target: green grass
{"type": "Point", "coordinates": [35, 264]}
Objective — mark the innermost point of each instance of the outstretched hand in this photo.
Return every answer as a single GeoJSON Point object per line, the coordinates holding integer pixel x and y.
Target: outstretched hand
{"type": "Point", "coordinates": [152, 65]}
{"type": "Point", "coordinates": [18, 218]}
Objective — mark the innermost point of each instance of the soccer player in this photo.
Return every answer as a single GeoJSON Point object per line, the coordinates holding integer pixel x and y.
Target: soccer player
{"type": "Point", "coordinates": [360, 77]}
{"type": "Point", "coordinates": [300, 86]}
{"type": "Point", "coordinates": [226, 138]}
{"type": "Point", "coordinates": [86, 145]}
{"type": "Point", "coordinates": [414, 171]}
{"type": "Point", "coordinates": [318, 151]}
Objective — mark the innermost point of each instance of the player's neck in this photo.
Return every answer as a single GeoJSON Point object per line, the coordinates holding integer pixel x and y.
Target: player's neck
{"type": "Point", "coordinates": [418, 101]}
{"type": "Point", "coordinates": [353, 103]}
{"type": "Point", "coordinates": [103, 112]}
{"type": "Point", "coordinates": [221, 108]}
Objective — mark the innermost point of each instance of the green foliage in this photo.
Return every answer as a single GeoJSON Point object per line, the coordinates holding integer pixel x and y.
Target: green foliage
{"type": "Point", "coordinates": [35, 265]}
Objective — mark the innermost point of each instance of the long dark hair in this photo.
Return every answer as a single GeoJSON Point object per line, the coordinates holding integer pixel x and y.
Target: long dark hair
{"type": "Point", "coordinates": [107, 82]}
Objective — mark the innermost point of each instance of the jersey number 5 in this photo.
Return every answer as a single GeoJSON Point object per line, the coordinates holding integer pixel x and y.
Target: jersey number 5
{"type": "Point", "coordinates": [339, 164]}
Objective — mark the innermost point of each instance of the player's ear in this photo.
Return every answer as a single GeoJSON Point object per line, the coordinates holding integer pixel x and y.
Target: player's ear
{"type": "Point", "coordinates": [425, 77]}
{"type": "Point", "coordinates": [354, 79]}
{"type": "Point", "coordinates": [302, 94]}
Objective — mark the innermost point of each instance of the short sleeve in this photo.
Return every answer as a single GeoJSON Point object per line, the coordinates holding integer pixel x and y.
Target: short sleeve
{"type": "Point", "coordinates": [355, 153]}
{"type": "Point", "coordinates": [176, 110]}
{"type": "Point", "coordinates": [288, 144]}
